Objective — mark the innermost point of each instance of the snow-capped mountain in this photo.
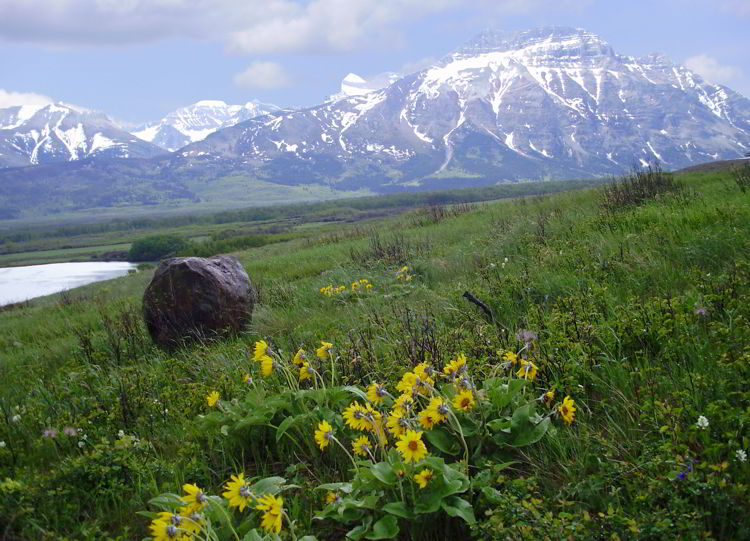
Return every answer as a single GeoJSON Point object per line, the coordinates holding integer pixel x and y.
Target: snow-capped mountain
{"type": "Point", "coordinates": [545, 103]}
{"type": "Point", "coordinates": [354, 85]}
{"type": "Point", "coordinates": [195, 122]}
{"type": "Point", "coordinates": [58, 132]}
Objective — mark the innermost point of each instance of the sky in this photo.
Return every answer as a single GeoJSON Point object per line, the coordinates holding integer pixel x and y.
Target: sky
{"type": "Point", "coordinates": [137, 60]}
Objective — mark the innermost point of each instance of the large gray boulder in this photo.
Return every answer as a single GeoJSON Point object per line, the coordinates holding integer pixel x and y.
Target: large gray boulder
{"type": "Point", "coordinates": [194, 298]}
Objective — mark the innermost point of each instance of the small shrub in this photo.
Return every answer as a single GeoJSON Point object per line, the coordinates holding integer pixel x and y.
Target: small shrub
{"type": "Point", "coordinates": [636, 188]}
{"type": "Point", "coordinates": [741, 176]}
{"type": "Point", "coordinates": [155, 247]}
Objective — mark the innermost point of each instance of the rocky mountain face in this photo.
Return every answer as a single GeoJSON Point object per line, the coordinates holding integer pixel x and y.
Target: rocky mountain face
{"type": "Point", "coordinates": [545, 103]}
{"type": "Point", "coordinates": [194, 122]}
{"type": "Point", "coordinates": [57, 132]}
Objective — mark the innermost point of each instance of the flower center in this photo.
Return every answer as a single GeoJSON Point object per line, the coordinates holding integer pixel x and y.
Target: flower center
{"type": "Point", "coordinates": [245, 491]}
{"type": "Point", "coordinates": [465, 403]}
{"type": "Point", "coordinates": [172, 530]}
{"type": "Point", "coordinates": [565, 410]}
{"type": "Point", "coordinates": [413, 445]}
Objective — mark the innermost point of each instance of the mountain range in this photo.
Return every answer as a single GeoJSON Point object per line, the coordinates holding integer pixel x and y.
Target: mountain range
{"type": "Point", "coordinates": [548, 103]}
{"type": "Point", "coordinates": [195, 122]}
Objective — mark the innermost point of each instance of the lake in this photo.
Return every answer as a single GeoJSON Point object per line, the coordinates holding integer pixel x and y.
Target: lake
{"type": "Point", "coordinates": [22, 283]}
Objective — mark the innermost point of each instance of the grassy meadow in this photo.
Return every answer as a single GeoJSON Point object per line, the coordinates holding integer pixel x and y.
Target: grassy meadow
{"type": "Point", "coordinates": [632, 304]}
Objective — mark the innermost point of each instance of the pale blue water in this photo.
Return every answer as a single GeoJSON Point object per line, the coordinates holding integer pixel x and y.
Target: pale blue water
{"type": "Point", "coordinates": [22, 283]}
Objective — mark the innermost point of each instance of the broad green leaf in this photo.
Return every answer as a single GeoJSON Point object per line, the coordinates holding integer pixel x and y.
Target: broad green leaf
{"type": "Point", "coordinates": [356, 391]}
{"type": "Point", "coordinates": [521, 417]}
{"type": "Point", "coordinates": [531, 434]}
{"type": "Point", "coordinates": [268, 485]}
{"type": "Point", "coordinates": [385, 528]}
{"type": "Point", "coordinates": [399, 509]}
{"type": "Point", "coordinates": [458, 507]}
{"type": "Point", "coordinates": [336, 487]}
{"type": "Point", "coordinates": [384, 473]}
{"type": "Point", "coordinates": [167, 501]}
{"type": "Point", "coordinates": [443, 440]}
{"type": "Point", "coordinates": [252, 535]}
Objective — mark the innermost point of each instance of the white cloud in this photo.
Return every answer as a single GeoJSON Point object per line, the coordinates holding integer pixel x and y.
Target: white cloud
{"type": "Point", "coordinates": [263, 75]}
{"type": "Point", "coordinates": [12, 99]}
{"type": "Point", "coordinates": [710, 69]}
{"type": "Point", "coordinates": [246, 26]}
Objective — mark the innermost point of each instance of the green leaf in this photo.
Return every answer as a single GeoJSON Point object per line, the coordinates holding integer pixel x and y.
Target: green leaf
{"type": "Point", "coordinates": [268, 485]}
{"type": "Point", "coordinates": [503, 395]}
{"type": "Point", "coordinates": [385, 528]}
{"type": "Point", "coordinates": [359, 532]}
{"type": "Point", "coordinates": [336, 487]}
{"type": "Point", "coordinates": [252, 535]}
{"type": "Point", "coordinates": [384, 473]}
{"type": "Point", "coordinates": [458, 507]}
{"type": "Point", "coordinates": [443, 440]}
{"type": "Point", "coordinates": [167, 501]}
{"type": "Point", "coordinates": [290, 421]}
{"type": "Point", "coordinates": [531, 434]}
{"type": "Point", "coordinates": [498, 425]}
{"type": "Point", "coordinates": [308, 538]}
{"type": "Point", "coordinates": [399, 509]}
{"type": "Point", "coordinates": [521, 417]}
{"type": "Point", "coordinates": [356, 391]}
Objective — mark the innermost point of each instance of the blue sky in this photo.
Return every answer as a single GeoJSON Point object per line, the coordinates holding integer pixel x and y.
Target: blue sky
{"type": "Point", "coordinates": [137, 60]}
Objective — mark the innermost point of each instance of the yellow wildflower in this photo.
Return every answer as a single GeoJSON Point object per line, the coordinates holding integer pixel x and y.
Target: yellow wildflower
{"type": "Point", "coordinates": [323, 351]}
{"type": "Point", "coordinates": [361, 446]}
{"type": "Point", "coordinates": [261, 350]}
{"type": "Point", "coordinates": [439, 408]}
{"type": "Point", "coordinates": [527, 370]}
{"type": "Point", "coordinates": [464, 400]}
{"type": "Point", "coordinates": [184, 523]}
{"type": "Point", "coordinates": [396, 424]}
{"type": "Point", "coordinates": [455, 366]}
{"type": "Point", "coordinates": [195, 499]}
{"type": "Point", "coordinates": [408, 383]}
{"type": "Point", "coordinates": [238, 492]}
{"type": "Point", "coordinates": [354, 416]}
{"type": "Point", "coordinates": [427, 418]}
{"type": "Point", "coordinates": [403, 403]}
{"type": "Point", "coordinates": [165, 531]}
{"type": "Point", "coordinates": [267, 366]}
{"type": "Point", "coordinates": [548, 397]}
{"type": "Point", "coordinates": [299, 357]}
{"type": "Point", "coordinates": [305, 372]}
{"type": "Point", "coordinates": [424, 477]}
{"type": "Point", "coordinates": [510, 357]}
{"type": "Point", "coordinates": [376, 393]}
{"type": "Point", "coordinates": [212, 398]}
{"type": "Point", "coordinates": [568, 410]}
{"type": "Point", "coordinates": [332, 497]}
{"type": "Point", "coordinates": [273, 509]}
{"type": "Point", "coordinates": [411, 446]}
{"type": "Point", "coordinates": [323, 435]}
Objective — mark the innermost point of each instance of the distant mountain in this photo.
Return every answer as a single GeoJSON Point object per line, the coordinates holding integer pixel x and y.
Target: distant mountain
{"type": "Point", "coordinates": [545, 103]}
{"type": "Point", "coordinates": [354, 85]}
{"type": "Point", "coordinates": [549, 103]}
{"type": "Point", "coordinates": [58, 132]}
{"type": "Point", "coordinates": [195, 122]}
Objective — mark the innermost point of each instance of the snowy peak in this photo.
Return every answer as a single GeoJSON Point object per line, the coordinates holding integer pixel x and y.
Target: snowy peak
{"type": "Point", "coordinates": [544, 103]}
{"type": "Point", "coordinates": [57, 132]}
{"type": "Point", "coordinates": [197, 121]}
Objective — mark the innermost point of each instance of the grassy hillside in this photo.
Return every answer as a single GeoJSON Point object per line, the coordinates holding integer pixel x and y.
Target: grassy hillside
{"type": "Point", "coordinates": [636, 310]}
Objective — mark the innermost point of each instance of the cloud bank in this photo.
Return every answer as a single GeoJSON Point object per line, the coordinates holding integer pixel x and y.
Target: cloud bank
{"type": "Point", "coordinates": [245, 26]}
{"type": "Point", "coordinates": [13, 99]}
{"type": "Point", "coordinates": [263, 75]}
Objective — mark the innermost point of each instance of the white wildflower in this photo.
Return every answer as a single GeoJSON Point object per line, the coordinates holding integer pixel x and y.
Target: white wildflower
{"type": "Point", "coordinates": [2, 444]}
{"type": "Point", "coordinates": [741, 455]}
{"type": "Point", "coordinates": [15, 418]}
{"type": "Point", "coordinates": [81, 444]}
{"type": "Point", "coordinates": [702, 423]}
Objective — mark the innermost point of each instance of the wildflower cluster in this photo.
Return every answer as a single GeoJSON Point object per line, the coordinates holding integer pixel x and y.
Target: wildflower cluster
{"type": "Point", "coordinates": [403, 274]}
{"type": "Point", "coordinates": [190, 515]}
{"type": "Point", "coordinates": [358, 285]}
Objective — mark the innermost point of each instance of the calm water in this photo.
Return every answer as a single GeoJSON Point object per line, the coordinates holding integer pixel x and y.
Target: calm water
{"type": "Point", "coordinates": [22, 283]}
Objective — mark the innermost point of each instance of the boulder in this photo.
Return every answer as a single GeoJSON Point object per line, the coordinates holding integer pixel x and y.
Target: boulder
{"type": "Point", "coordinates": [194, 298]}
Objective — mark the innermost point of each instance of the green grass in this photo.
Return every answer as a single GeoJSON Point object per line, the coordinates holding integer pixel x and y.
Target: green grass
{"type": "Point", "coordinates": [641, 315]}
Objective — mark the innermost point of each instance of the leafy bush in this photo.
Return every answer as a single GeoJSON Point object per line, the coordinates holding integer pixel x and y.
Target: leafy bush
{"type": "Point", "coordinates": [638, 187]}
{"type": "Point", "coordinates": [155, 247]}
